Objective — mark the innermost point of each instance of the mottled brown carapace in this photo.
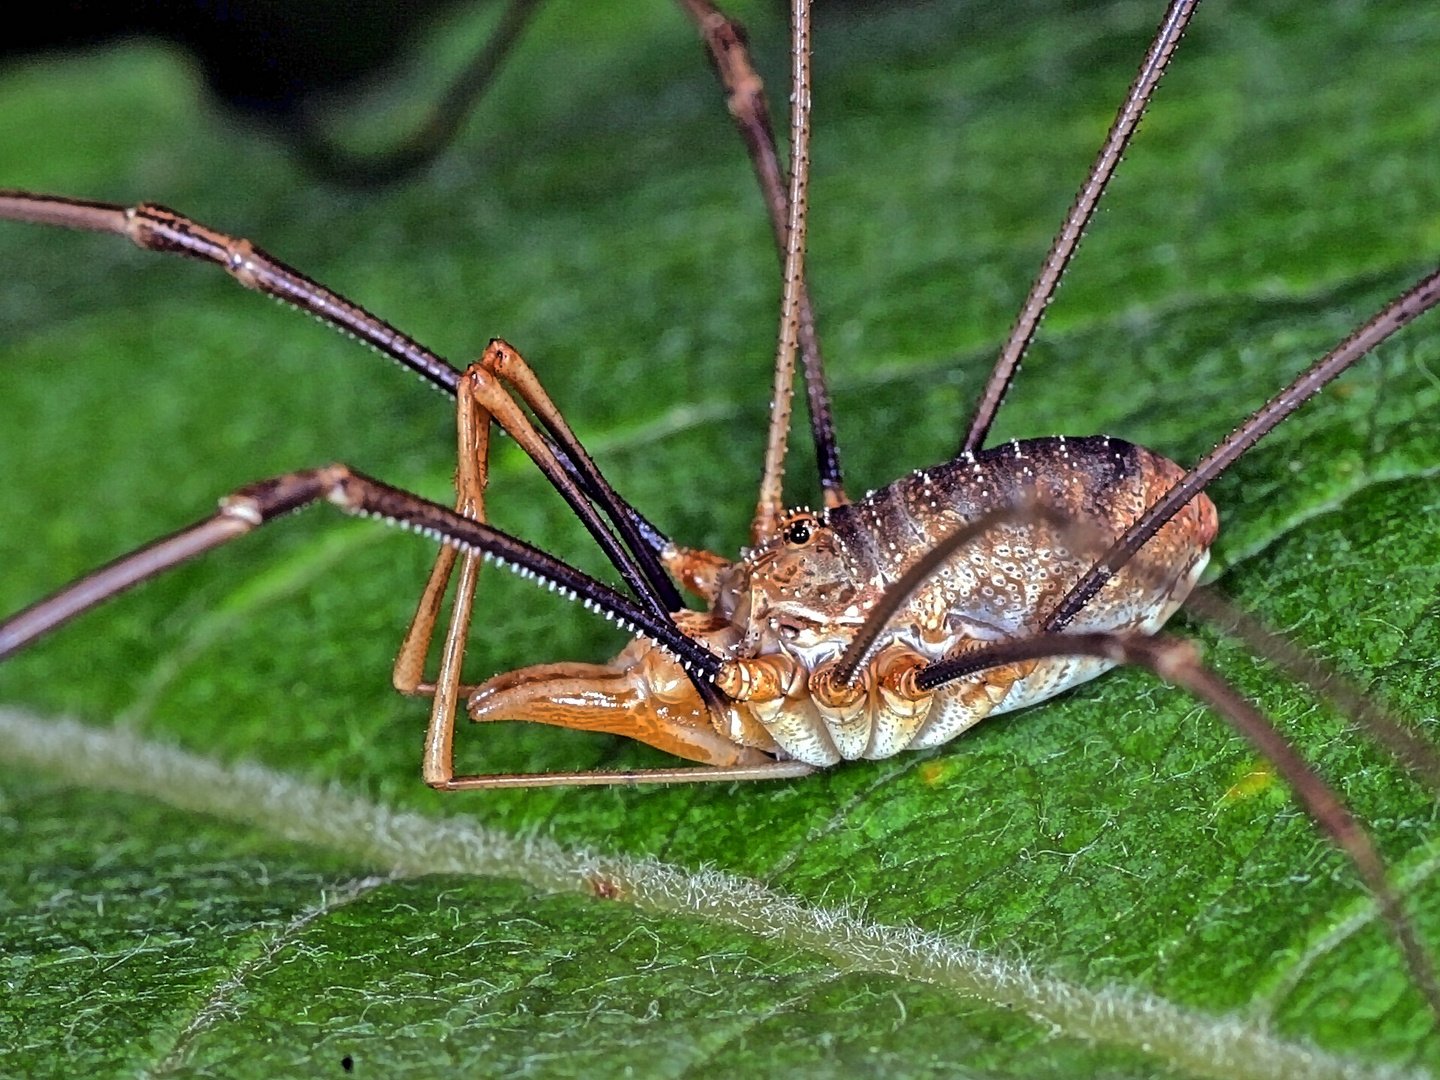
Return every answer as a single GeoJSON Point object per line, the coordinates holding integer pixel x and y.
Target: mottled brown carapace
{"type": "Point", "coordinates": [783, 614]}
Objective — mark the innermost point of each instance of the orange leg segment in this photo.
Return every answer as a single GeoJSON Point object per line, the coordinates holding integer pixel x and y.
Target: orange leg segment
{"type": "Point", "coordinates": [647, 698]}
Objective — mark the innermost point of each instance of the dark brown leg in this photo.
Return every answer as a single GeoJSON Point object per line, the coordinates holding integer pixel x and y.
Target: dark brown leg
{"type": "Point", "coordinates": [745, 98]}
{"type": "Point", "coordinates": [1407, 307]}
{"type": "Point", "coordinates": [1178, 661]}
{"type": "Point", "coordinates": [1162, 48]}
{"type": "Point", "coordinates": [1404, 742]}
{"type": "Point", "coordinates": [355, 493]}
{"type": "Point", "coordinates": [155, 228]}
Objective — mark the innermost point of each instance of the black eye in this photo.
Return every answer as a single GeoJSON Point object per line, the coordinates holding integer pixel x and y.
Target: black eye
{"type": "Point", "coordinates": [798, 532]}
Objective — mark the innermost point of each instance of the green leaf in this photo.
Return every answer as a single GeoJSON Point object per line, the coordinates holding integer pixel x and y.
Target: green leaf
{"type": "Point", "coordinates": [1015, 904]}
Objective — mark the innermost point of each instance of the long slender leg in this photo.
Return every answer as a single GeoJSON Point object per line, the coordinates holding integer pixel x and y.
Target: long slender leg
{"type": "Point", "coordinates": [355, 493]}
{"type": "Point", "coordinates": [1178, 661]}
{"type": "Point", "coordinates": [114, 578]}
{"type": "Point", "coordinates": [156, 228]}
{"type": "Point", "coordinates": [437, 763]}
{"type": "Point", "coordinates": [1043, 290]}
{"type": "Point", "coordinates": [745, 98]}
{"type": "Point", "coordinates": [703, 774]}
{"type": "Point", "coordinates": [471, 474]}
{"type": "Point", "coordinates": [1404, 742]}
{"type": "Point", "coordinates": [770, 504]}
{"type": "Point", "coordinates": [408, 675]}
{"type": "Point", "coordinates": [1407, 307]}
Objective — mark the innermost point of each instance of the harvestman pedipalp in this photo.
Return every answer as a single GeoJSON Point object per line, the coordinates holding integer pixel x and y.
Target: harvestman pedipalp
{"type": "Point", "coordinates": [639, 550]}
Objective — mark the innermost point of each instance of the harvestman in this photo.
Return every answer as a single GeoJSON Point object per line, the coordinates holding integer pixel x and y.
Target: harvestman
{"type": "Point", "coordinates": [858, 631]}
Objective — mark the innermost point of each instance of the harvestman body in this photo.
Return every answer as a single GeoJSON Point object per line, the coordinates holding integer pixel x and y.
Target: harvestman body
{"type": "Point", "coordinates": [858, 631]}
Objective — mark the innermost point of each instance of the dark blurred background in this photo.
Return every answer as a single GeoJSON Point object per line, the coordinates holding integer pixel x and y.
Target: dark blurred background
{"type": "Point", "coordinates": [260, 56]}
{"type": "Point", "coordinates": [298, 65]}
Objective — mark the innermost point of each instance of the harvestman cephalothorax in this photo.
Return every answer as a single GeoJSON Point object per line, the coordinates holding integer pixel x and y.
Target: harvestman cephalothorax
{"type": "Point", "coordinates": [770, 684]}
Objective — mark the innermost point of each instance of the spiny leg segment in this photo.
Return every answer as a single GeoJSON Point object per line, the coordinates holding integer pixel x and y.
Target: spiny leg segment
{"type": "Point", "coordinates": [257, 504]}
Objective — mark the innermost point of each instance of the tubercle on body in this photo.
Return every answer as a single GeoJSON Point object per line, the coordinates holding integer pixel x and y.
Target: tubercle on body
{"type": "Point", "coordinates": [783, 613]}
